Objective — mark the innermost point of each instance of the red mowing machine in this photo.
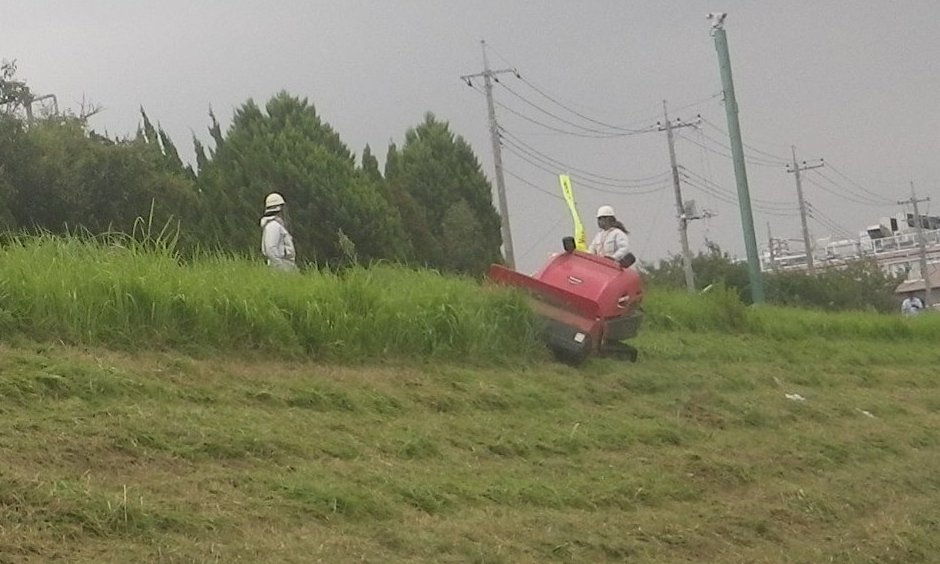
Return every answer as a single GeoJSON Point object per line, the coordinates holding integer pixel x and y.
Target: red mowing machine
{"type": "Point", "coordinates": [588, 304]}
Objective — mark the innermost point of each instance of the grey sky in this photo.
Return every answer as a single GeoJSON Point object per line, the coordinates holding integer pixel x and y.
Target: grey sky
{"type": "Point", "coordinates": [854, 82]}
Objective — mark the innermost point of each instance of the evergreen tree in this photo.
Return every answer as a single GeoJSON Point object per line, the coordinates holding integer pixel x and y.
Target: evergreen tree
{"type": "Point", "coordinates": [426, 249]}
{"type": "Point", "coordinates": [438, 170]}
{"type": "Point", "coordinates": [461, 230]}
{"type": "Point", "coordinates": [370, 166]}
{"type": "Point", "coordinates": [287, 148]}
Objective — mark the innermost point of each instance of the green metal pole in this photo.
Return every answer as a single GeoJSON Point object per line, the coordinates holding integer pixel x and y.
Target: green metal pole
{"type": "Point", "coordinates": [740, 172]}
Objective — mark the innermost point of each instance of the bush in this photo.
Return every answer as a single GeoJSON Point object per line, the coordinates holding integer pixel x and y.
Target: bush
{"type": "Point", "coordinates": [860, 286]}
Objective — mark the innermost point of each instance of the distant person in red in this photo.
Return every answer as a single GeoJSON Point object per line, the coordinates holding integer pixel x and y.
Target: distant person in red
{"type": "Point", "coordinates": [611, 241]}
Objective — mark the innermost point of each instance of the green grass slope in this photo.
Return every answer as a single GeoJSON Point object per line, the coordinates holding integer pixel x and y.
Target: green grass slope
{"type": "Point", "coordinates": [694, 454]}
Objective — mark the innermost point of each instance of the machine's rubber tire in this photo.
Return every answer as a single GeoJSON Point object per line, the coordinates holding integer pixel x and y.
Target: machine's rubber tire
{"type": "Point", "coordinates": [570, 357]}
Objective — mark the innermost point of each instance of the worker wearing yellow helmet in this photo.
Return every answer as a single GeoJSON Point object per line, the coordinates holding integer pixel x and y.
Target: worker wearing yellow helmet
{"type": "Point", "coordinates": [611, 241]}
{"type": "Point", "coordinates": [277, 245]}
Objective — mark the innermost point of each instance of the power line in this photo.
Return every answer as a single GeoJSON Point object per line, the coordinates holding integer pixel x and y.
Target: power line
{"type": "Point", "coordinates": [532, 184]}
{"type": "Point", "coordinates": [844, 196]}
{"type": "Point", "coordinates": [751, 147]}
{"type": "Point", "coordinates": [641, 182]}
{"type": "Point", "coordinates": [586, 183]}
{"type": "Point", "coordinates": [730, 198]}
{"type": "Point", "coordinates": [542, 237]}
{"type": "Point", "coordinates": [545, 125]}
{"type": "Point", "coordinates": [766, 203]}
{"type": "Point", "coordinates": [573, 111]}
{"type": "Point", "coordinates": [561, 119]}
{"type": "Point", "coordinates": [656, 216]}
{"type": "Point", "coordinates": [750, 160]}
{"type": "Point", "coordinates": [877, 199]}
{"type": "Point", "coordinates": [558, 129]}
{"type": "Point", "coordinates": [625, 128]}
{"type": "Point", "coordinates": [619, 132]}
{"type": "Point", "coordinates": [852, 182]}
{"type": "Point", "coordinates": [827, 221]}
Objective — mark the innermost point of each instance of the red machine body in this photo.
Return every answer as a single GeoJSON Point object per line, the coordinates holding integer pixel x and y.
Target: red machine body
{"type": "Point", "coordinates": [589, 303]}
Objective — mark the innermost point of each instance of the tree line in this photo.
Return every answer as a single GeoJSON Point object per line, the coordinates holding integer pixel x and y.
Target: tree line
{"type": "Point", "coordinates": [430, 205]}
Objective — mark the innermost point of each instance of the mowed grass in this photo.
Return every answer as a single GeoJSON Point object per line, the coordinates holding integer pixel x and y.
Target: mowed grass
{"type": "Point", "coordinates": [211, 410]}
{"type": "Point", "coordinates": [694, 454]}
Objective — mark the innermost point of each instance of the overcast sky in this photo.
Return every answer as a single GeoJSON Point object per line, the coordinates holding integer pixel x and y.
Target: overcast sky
{"type": "Point", "coordinates": [854, 82]}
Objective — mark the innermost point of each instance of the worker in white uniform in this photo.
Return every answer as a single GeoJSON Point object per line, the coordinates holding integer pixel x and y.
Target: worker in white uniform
{"type": "Point", "coordinates": [277, 245]}
{"type": "Point", "coordinates": [611, 241]}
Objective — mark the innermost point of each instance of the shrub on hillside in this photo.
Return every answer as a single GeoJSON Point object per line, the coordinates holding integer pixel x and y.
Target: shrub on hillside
{"type": "Point", "coordinates": [859, 286]}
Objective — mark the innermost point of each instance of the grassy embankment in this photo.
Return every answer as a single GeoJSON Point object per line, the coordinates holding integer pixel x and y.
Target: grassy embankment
{"type": "Point", "coordinates": [117, 446]}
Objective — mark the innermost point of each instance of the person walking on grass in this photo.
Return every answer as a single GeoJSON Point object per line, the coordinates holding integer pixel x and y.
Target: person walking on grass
{"type": "Point", "coordinates": [611, 241]}
{"type": "Point", "coordinates": [912, 305]}
{"type": "Point", "coordinates": [277, 245]}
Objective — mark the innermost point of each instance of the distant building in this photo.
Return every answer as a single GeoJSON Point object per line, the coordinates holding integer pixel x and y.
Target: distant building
{"type": "Point", "coordinates": [892, 243]}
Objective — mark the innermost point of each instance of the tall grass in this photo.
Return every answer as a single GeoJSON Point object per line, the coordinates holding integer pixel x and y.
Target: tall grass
{"type": "Point", "coordinates": [128, 294]}
{"type": "Point", "coordinates": [720, 309]}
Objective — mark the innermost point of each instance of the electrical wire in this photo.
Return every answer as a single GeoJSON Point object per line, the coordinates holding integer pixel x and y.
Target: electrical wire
{"type": "Point", "coordinates": [728, 155]}
{"type": "Point", "coordinates": [752, 148]}
{"type": "Point", "coordinates": [609, 132]}
{"type": "Point", "coordinates": [827, 221]}
{"type": "Point", "coordinates": [640, 181]}
{"type": "Point", "coordinates": [532, 184]}
{"type": "Point", "coordinates": [586, 182]}
{"type": "Point", "coordinates": [731, 199]}
{"type": "Point", "coordinates": [706, 162]}
{"type": "Point", "coordinates": [542, 237]}
{"type": "Point", "coordinates": [843, 196]}
{"type": "Point", "coordinates": [876, 199]}
{"type": "Point", "coordinates": [656, 217]}
{"type": "Point", "coordinates": [854, 183]}
{"type": "Point", "coordinates": [556, 129]}
{"type": "Point", "coordinates": [762, 201]}
{"type": "Point", "coordinates": [572, 110]}
{"type": "Point", "coordinates": [563, 120]}
{"type": "Point", "coordinates": [545, 125]}
{"type": "Point", "coordinates": [581, 181]}
{"type": "Point", "coordinates": [624, 128]}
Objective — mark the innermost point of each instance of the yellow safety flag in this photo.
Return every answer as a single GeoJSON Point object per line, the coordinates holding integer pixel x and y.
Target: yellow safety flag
{"type": "Point", "coordinates": [579, 240]}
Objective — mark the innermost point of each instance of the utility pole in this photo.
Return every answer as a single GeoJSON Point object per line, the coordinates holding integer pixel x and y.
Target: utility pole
{"type": "Point", "coordinates": [770, 247]}
{"type": "Point", "coordinates": [795, 168]}
{"type": "Point", "coordinates": [737, 153]}
{"type": "Point", "coordinates": [488, 78]}
{"type": "Point", "coordinates": [921, 242]}
{"type": "Point", "coordinates": [683, 218]}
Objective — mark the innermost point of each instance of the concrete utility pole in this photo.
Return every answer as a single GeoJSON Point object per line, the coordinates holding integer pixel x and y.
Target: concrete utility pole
{"type": "Point", "coordinates": [488, 78]}
{"type": "Point", "coordinates": [796, 168]}
{"type": "Point", "coordinates": [737, 153]}
{"type": "Point", "coordinates": [921, 242]}
{"type": "Point", "coordinates": [681, 214]}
